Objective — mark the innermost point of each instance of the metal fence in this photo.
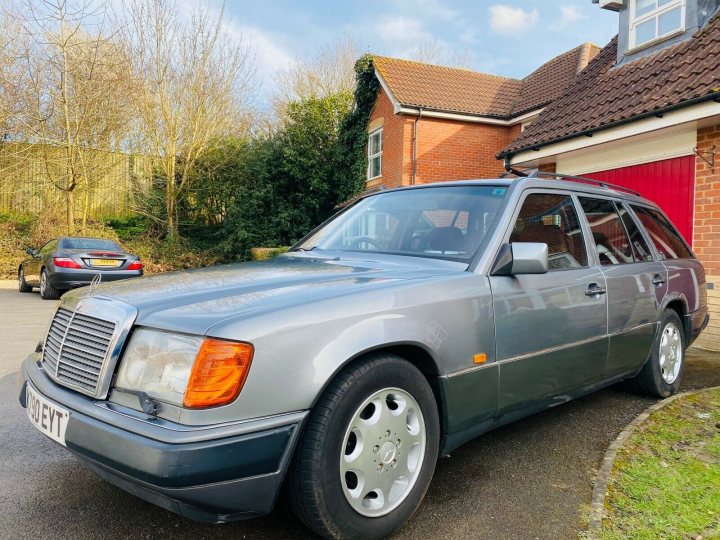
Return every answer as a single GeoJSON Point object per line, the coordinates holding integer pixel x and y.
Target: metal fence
{"type": "Point", "coordinates": [113, 184]}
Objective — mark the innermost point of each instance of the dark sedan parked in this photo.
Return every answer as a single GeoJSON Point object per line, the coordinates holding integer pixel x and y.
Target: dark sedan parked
{"type": "Point", "coordinates": [69, 262]}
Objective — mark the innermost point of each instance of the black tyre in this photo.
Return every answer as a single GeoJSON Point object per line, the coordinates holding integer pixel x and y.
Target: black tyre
{"type": "Point", "coordinates": [662, 373]}
{"type": "Point", "coordinates": [22, 284]}
{"type": "Point", "coordinates": [368, 452]}
{"type": "Point", "coordinates": [47, 291]}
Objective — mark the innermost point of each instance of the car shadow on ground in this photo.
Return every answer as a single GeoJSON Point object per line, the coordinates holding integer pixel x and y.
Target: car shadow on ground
{"type": "Point", "coordinates": [530, 479]}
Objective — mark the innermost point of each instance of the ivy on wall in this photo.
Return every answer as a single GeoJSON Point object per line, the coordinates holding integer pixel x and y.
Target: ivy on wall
{"type": "Point", "coordinates": [352, 142]}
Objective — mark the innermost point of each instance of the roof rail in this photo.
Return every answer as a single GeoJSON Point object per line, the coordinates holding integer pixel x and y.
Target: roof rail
{"type": "Point", "coordinates": [560, 176]}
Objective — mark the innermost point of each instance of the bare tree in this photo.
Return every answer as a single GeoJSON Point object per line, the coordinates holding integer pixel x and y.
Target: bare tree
{"type": "Point", "coordinates": [9, 52]}
{"type": "Point", "coordinates": [194, 81]}
{"type": "Point", "coordinates": [329, 72]}
{"type": "Point", "coordinates": [435, 52]}
{"type": "Point", "coordinates": [70, 92]}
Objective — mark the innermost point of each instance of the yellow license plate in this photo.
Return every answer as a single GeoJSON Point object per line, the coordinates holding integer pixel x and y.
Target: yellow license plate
{"type": "Point", "coordinates": [105, 262]}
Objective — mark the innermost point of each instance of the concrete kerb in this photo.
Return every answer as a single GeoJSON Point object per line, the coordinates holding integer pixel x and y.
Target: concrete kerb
{"type": "Point", "coordinates": [597, 505]}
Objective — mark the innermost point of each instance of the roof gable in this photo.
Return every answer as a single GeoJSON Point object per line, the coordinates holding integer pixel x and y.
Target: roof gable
{"type": "Point", "coordinates": [550, 80]}
{"type": "Point", "coordinates": [448, 89]}
{"type": "Point", "coordinates": [414, 84]}
{"type": "Point", "coordinates": [603, 95]}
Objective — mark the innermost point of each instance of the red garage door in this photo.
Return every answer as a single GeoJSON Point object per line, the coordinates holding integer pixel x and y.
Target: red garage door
{"type": "Point", "coordinates": [669, 183]}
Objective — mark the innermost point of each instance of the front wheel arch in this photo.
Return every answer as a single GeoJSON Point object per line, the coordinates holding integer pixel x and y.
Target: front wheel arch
{"type": "Point", "coordinates": [414, 353]}
{"type": "Point", "coordinates": [308, 481]}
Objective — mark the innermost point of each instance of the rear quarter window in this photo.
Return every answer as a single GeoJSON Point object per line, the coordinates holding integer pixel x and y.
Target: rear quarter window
{"type": "Point", "coordinates": [663, 234]}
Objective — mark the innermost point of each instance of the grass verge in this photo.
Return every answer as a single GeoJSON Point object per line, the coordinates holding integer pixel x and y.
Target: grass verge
{"type": "Point", "coordinates": [666, 480]}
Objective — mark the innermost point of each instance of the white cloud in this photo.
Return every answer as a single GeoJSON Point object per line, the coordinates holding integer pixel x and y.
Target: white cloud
{"type": "Point", "coordinates": [569, 15]}
{"type": "Point", "coordinates": [270, 55]}
{"type": "Point", "coordinates": [510, 20]}
{"type": "Point", "coordinates": [402, 30]}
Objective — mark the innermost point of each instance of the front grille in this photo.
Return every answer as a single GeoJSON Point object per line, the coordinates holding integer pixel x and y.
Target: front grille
{"type": "Point", "coordinates": [76, 348]}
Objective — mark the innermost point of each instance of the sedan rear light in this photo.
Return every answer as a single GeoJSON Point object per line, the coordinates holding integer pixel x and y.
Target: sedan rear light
{"type": "Point", "coordinates": [137, 265]}
{"type": "Point", "coordinates": [65, 262]}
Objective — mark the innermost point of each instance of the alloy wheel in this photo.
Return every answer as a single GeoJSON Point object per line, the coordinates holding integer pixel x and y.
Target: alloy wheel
{"type": "Point", "coordinates": [382, 452]}
{"type": "Point", "coordinates": [671, 353]}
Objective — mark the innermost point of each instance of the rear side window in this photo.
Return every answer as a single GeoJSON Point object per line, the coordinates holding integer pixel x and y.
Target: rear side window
{"type": "Point", "coordinates": [552, 220]}
{"type": "Point", "coordinates": [667, 240]}
{"type": "Point", "coordinates": [641, 250]}
{"type": "Point", "coordinates": [608, 232]}
{"type": "Point", "coordinates": [47, 248]}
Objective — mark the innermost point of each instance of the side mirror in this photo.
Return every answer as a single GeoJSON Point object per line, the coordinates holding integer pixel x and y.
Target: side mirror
{"type": "Point", "coordinates": [30, 251]}
{"type": "Point", "coordinates": [521, 258]}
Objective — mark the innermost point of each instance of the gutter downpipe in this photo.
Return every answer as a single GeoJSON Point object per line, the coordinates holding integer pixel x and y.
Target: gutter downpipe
{"type": "Point", "coordinates": [415, 137]}
{"type": "Point", "coordinates": [713, 96]}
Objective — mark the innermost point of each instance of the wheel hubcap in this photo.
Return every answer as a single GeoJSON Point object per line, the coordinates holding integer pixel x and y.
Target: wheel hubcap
{"type": "Point", "coordinates": [43, 284]}
{"type": "Point", "coordinates": [671, 353]}
{"type": "Point", "coordinates": [382, 452]}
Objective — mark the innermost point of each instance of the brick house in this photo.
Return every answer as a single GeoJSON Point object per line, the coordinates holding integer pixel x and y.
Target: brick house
{"type": "Point", "coordinates": [645, 114]}
{"type": "Point", "coordinates": [433, 123]}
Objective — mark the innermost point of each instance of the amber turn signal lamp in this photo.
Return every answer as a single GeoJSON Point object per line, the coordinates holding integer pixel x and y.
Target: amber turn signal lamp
{"type": "Point", "coordinates": [480, 358]}
{"type": "Point", "coordinates": [218, 374]}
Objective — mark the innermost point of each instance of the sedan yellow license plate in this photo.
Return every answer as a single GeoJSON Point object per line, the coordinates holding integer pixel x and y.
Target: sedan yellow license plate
{"type": "Point", "coordinates": [112, 263]}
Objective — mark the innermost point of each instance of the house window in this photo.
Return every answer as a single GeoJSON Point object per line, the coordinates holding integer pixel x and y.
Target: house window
{"type": "Point", "coordinates": [654, 20]}
{"type": "Point", "coordinates": [375, 150]}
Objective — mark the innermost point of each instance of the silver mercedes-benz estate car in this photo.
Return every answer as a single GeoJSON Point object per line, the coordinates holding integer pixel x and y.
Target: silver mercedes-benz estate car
{"type": "Point", "coordinates": [411, 322]}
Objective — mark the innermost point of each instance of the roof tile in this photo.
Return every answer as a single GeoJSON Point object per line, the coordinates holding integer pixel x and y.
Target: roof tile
{"type": "Point", "coordinates": [603, 94]}
{"type": "Point", "coordinates": [415, 84]}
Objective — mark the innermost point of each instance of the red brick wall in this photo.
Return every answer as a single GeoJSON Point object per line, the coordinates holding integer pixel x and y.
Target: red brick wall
{"type": "Point", "coordinates": [450, 150]}
{"type": "Point", "coordinates": [707, 204]}
{"type": "Point", "coordinates": [707, 231]}
{"type": "Point", "coordinates": [393, 133]}
{"type": "Point", "coordinates": [513, 132]}
{"type": "Point", "coordinates": [447, 149]}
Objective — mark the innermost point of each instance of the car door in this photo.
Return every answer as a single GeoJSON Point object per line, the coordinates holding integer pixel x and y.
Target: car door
{"type": "Point", "coordinates": [551, 329]}
{"type": "Point", "coordinates": [635, 282]}
{"type": "Point", "coordinates": [36, 262]}
{"type": "Point", "coordinates": [32, 268]}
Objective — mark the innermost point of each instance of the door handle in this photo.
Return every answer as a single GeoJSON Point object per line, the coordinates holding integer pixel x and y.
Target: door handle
{"type": "Point", "coordinates": [595, 290]}
{"type": "Point", "coordinates": [658, 280]}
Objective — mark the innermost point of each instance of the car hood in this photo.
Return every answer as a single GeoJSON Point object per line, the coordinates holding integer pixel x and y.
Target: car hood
{"type": "Point", "coordinates": [194, 300]}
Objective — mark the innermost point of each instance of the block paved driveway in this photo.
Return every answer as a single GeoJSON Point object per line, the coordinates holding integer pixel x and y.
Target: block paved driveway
{"type": "Point", "coordinates": [532, 479]}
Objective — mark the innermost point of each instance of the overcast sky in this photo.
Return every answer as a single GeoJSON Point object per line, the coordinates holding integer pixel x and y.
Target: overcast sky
{"type": "Point", "coordinates": [507, 37]}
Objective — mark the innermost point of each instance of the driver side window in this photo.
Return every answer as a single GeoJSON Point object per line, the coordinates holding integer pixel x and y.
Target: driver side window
{"type": "Point", "coordinates": [48, 247]}
{"type": "Point", "coordinates": [552, 220]}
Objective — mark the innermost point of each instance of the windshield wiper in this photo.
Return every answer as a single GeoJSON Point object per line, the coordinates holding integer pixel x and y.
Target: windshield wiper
{"type": "Point", "coordinates": [307, 249]}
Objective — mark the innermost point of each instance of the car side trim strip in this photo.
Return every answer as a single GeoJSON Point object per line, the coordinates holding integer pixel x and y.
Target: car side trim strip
{"type": "Point", "coordinates": [547, 351]}
{"type": "Point", "coordinates": [468, 370]}
{"type": "Point", "coordinates": [574, 344]}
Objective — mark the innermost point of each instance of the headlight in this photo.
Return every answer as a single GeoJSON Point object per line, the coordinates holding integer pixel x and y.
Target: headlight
{"type": "Point", "coordinates": [188, 371]}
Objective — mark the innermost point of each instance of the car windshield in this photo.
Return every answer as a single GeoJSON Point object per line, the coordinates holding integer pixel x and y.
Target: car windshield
{"type": "Point", "coordinates": [440, 222]}
{"type": "Point", "coordinates": [90, 243]}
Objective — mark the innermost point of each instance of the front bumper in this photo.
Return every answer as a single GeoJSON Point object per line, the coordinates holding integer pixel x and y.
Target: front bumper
{"type": "Point", "coordinates": [69, 278]}
{"type": "Point", "coordinates": [207, 473]}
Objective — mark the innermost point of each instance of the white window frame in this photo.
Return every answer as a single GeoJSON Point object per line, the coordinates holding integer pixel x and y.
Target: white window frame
{"type": "Point", "coordinates": [378, 131]}
{"type": "Point", "coordinates": [635, 21]}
